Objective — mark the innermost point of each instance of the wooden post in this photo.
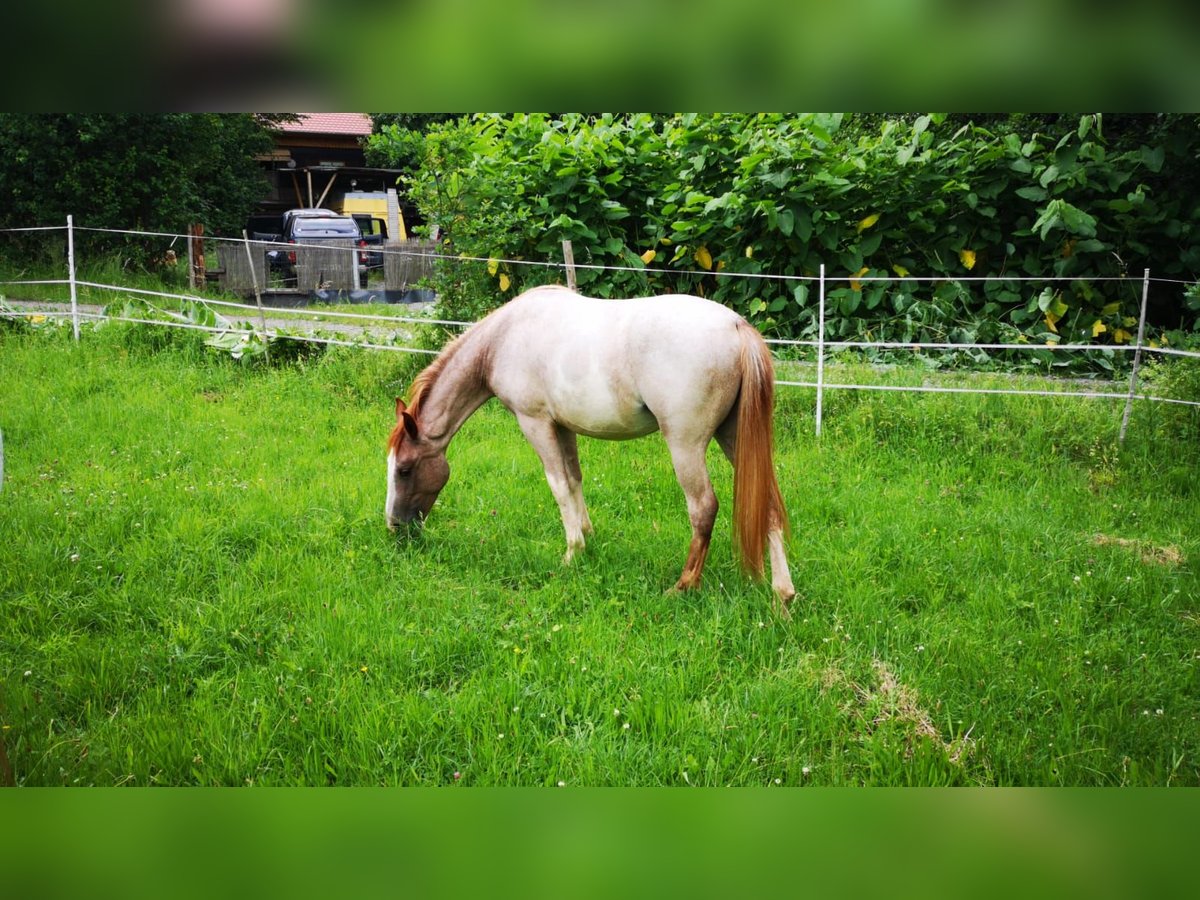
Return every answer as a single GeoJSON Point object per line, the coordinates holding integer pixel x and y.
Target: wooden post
{"type": "Point", "coordinates": [197, 271]}
{"type": "Point", "coordinates": [1137, 357]}
{"type": "Point", "coordinates": [262, 316]}
{"type": "Point", "coordinates": [569, 257]}
{"type": "Point", "coordinates": [332, 179]}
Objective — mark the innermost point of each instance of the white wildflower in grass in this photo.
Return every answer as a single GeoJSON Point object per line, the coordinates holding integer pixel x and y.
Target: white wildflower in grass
{"type": "Point", "coordinates": [626, 725]}
{"type": "Point", "coordinates": [806, 771]}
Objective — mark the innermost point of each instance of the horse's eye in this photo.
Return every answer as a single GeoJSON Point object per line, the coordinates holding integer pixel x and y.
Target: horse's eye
{"type": "Point", "coordinates": [404, 473]}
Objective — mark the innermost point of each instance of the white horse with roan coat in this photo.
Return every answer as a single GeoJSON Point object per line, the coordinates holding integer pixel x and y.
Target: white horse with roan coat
{"type": "Point", "coordinates": [566, 365]}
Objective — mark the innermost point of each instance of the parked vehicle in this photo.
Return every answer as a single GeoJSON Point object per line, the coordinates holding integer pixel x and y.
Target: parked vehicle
{"type": "Point", "coordinates": [374, 232]}
{"type": "Point", "coordinates": [314, 226]}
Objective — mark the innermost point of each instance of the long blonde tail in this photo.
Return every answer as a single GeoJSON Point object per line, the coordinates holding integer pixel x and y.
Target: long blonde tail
{"type": "Point", "coordinates": [757, 502]}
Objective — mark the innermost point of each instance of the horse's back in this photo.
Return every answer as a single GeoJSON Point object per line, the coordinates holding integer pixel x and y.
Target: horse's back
{"type": "Point", "coordinates": [617, 368]}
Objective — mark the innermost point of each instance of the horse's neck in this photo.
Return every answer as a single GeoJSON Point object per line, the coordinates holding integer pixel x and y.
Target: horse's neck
{"type": "Point", "coordinates": [460, 388]}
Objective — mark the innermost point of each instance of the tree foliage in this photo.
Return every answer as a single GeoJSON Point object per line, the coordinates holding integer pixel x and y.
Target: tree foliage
{"type": "Point", "coordinates": [686, 202]}
{"type": "Point", "coordinates": [151, 172]}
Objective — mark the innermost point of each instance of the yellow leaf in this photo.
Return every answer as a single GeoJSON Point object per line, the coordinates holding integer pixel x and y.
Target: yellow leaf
{"type": "Point", "coordinates": [493, 265]}
{"type": "Point", "coordinates": [665, 241]}
{"type": "Point", "coordinates": [1051, 318]}
{"type": "Point", "coordinates": [1121, 336]}
{"type": "Point", "coordinates": [1098, 328]}
{"type": "Point", "coordinates": [704, 258]}
{"type": "Point", "coordinates": [720, 265]}
{"type": "Point", "coordinates": [968, 258]}
{"type": "Point", "coordinates": [649, 256]}
{"type": "Point", "coordinates": [504, 282]}
{"type": "Point", "coordinates": [750, 252]}
{"type": "Point", "coordinates": [901, 271]}
{"type": "Point", "coordinates": [1110, 309]}
{"type": "Point", "coordinates": [868, 222]}
{"type": "Point", "coordinates": [855, 284]}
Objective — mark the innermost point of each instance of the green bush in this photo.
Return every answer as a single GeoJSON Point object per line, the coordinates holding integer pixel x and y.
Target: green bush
{"type": "Point", "coordinates": [686, 202]}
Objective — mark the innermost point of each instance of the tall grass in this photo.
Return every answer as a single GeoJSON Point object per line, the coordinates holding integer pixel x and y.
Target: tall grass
{"type": "Point", "coordinates": [198, 588]}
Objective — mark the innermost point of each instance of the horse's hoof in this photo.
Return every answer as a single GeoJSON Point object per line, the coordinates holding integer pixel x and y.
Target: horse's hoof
{"type": "Point", "coordinates": [782, 600]}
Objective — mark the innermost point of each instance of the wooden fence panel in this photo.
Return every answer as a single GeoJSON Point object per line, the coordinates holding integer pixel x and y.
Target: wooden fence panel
{"type": "Point", "coordinates": [405, 263]}
{"type": "Point", "coordinates": [329, 266]}
{"type": "Point", "coordinates": [239, 275]}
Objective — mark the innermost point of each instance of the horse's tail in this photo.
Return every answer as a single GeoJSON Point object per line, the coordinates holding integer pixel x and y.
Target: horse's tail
{"type": "Point", "coordinates": [757, 502]}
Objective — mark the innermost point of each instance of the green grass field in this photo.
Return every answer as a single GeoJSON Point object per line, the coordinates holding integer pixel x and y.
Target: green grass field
{"type": "Point", "coordinates": [197, 587]}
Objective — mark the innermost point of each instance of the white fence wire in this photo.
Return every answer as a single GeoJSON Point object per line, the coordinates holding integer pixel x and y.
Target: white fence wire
{"type": "Point", "coordinates": [821, 345]}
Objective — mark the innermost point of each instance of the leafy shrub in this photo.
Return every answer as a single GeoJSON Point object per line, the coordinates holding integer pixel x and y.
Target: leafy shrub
{"type": "Point", "coordinates": [706, 204]}
{"type": "Point", "coordinates": [1178, 378]}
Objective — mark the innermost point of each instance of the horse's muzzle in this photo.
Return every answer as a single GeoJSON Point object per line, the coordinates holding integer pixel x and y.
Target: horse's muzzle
{"type": "Point", "coordinates": [411, 525]}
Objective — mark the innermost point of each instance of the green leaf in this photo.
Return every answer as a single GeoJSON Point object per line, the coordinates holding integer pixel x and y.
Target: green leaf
{"type": "Point", "coordinates": [787, 222]}
{"type": "Point", "coordinates": [1152, 158]}
{"type": "Point", "coordinates": [870, 244]}
{"type": "Point", "coordinates": [1036, 194]}
{"type": "Point", "coordinates": [804, 225]}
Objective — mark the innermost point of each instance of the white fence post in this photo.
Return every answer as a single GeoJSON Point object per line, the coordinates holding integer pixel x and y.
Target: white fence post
{"type": "Point", "coordinates": [821, 351]}
{"type": "Point", "coordinates": [1137, 357]}
{"type": "Point", "coordinates": [71, 274]}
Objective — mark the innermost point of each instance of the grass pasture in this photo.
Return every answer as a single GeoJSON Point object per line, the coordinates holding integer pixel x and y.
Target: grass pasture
{"type": "Point", "coordinates": [197, 588]}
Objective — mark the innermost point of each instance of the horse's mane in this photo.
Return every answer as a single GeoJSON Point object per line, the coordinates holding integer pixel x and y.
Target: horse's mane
{"type": "Point", "coordinates": [421, 387]}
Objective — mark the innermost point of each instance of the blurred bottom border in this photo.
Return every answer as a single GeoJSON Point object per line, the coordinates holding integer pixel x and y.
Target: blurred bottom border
{"type": "Point", "coordinates": [594, 842]}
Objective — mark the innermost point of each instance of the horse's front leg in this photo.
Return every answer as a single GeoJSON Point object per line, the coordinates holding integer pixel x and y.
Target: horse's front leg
{"type": "Point", "coordinates": [568, 444]}
{"type": "Point", "coordinates": [544, 437]}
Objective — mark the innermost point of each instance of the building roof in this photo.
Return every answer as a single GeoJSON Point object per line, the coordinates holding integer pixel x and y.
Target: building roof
{"type": "Point", "coordinates": [330, 123]}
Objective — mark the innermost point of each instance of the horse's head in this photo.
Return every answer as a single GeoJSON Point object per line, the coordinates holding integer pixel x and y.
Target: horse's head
{"type": "Point", "coordinates": [416, 472]}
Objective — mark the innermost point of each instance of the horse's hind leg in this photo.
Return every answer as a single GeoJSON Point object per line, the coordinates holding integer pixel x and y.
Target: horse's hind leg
{"type": "Point", "coordinates": [692, 473]}
{"type": "Point", "coordinates": [544, 436]}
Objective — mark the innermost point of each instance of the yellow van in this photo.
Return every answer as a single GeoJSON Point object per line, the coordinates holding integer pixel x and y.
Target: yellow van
{"type": "Point", "coordinates": [367, 205]}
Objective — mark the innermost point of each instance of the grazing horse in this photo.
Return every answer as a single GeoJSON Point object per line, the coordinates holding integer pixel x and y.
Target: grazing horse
{"type": "Point", "coordinates": [567, 365]}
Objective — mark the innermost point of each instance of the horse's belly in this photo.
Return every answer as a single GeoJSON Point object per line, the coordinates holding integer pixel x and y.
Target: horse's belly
{"type": "Point", "coordinates": [613, 429]}
{"type": "Point", "coordinates": [602, 415]}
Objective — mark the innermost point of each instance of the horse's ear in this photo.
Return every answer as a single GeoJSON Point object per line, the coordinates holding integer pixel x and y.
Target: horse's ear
{"type": "Point", "coordinates": [400, 408]}
{"type": "Point", "coordinates": [410, 425]}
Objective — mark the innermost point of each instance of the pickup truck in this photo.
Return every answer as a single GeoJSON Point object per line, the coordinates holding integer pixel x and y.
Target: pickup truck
{"type": "Point", "coordinates": [315, 226]}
